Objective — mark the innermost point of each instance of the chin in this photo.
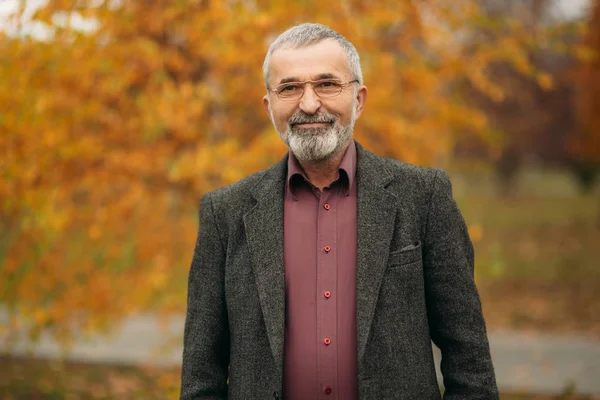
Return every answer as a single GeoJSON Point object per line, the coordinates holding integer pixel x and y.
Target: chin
{"type": "Point", "coordinates": [320, 150]}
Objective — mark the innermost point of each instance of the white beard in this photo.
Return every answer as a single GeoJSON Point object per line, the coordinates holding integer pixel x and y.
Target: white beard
{"type": "Point", "coordinates": [317, 144]}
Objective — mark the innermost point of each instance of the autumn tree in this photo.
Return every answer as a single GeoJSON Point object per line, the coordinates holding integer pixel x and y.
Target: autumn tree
{"type": "Point", "coordinates": [533, 113]}
{"type": "Point", "coordinates": [110, 134]}
{"type": "Point", "coordinates": [584, 145]}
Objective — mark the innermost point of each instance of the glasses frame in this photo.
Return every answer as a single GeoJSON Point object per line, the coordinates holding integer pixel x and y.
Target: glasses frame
{"type": "Point", "coordinates": [303, 84]}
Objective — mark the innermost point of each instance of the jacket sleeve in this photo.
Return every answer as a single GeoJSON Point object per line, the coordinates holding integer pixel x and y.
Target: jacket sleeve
{"type": "Point", "coordinates": [206, 332]}
{"type": "Point", "coordinates": [453, 306]}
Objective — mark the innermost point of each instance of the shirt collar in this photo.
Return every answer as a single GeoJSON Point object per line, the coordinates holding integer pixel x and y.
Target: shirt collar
{"type": "Point", "coordinates": [347, 168]}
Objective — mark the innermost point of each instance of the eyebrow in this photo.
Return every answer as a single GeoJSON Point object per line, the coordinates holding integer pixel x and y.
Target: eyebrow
{"type": "Point", "coordinates": [325, 75]}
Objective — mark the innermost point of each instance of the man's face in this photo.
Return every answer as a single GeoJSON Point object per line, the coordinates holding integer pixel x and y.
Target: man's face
{"type": "Point", "coordinates": [314, 127]}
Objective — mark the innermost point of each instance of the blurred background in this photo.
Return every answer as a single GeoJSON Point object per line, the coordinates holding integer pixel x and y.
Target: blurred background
{"type": "Point", "coordinates": [117, 115]}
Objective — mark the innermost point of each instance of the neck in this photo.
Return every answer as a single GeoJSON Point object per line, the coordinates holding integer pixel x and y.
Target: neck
{"type": "Point", "coordinates": [323, 173]}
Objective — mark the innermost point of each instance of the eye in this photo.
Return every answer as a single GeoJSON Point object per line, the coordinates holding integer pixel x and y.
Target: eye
{"type": "Point", "coordinates": [329, 84]}
{"type": "Point", "coordinates": [288, 88]}
{"type": "Point", "coordinates": [328, 88]}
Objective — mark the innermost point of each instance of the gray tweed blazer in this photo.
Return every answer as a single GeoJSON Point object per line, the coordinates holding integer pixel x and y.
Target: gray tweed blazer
{"type": "Point", "coordinates": [414, 285]}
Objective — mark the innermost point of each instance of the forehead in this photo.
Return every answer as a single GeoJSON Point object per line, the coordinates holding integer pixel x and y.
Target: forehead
{"type": "Point", "coordinates": [324, 58]}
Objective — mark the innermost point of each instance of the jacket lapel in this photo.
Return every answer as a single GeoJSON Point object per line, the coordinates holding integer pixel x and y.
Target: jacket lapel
{"type": "Point", "coordinates": [264, 234]}
{"type": "Point", "coordinates": [376, 220]}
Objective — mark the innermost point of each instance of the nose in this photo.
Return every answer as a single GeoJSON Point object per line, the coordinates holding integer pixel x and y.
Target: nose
{"type": "Point", "coordinates": [309, 102]}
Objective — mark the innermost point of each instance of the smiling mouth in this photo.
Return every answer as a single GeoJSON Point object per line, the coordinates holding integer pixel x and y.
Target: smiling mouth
{"type": "Point", "coordinates": [311, 124]}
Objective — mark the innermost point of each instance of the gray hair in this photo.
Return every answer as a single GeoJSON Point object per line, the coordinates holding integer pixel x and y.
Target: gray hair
{"type": "Point", "coordinates": [307, 34]}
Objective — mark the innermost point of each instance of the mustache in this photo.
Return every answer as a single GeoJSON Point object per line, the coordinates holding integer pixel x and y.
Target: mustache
{"type": "Point", "coordinates": [303, 118]}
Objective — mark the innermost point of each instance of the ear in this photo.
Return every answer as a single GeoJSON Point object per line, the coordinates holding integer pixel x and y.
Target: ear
{"type": "Point", "coordinates": [361, 99]}
{"type": "Point", "coordinates": [266, 105]}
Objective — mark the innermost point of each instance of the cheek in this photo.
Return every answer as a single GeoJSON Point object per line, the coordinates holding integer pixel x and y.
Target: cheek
{"type": "Point", "coordinates": [343, 110]}
{"type": "Point", "coordinates": [282, 122]}
{"type": "Point", "coordinates": [344, 116]}
{"type": "Point", "coordinates": [281, 116]}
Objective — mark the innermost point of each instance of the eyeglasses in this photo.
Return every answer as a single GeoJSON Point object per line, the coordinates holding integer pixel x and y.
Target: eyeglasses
{"type": "Point", "coordinates": [323, 88]}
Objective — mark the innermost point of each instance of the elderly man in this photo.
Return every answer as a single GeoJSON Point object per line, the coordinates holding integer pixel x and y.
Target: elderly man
{"type": "Point", "coordinates": [328, 275]}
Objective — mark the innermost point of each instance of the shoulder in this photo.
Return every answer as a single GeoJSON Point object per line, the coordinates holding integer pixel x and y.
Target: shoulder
{"type": "Point", "coordinates": [237, 190]}
{"type": "Point", "coordinates": [409, 172]}
{"type": "Point", "coordinates": [232, 200]}
{"type": "Point", "coordinates": [426, 181]}
{"type": "Point", "coordinates": [410, 184]}
{"type": "Point", "coordinates": [404, 174]}
{"type": "Point", "coordinates": [228, 204]}
{"type": "Point", "coordinates": [242, 194]}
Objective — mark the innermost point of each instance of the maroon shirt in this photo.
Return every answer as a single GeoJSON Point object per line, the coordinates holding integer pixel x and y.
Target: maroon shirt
{"type": "Point", "coordinates": [320, 236]}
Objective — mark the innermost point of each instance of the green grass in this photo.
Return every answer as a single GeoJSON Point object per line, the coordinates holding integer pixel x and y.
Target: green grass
{"type": "Point", "coordinates": [537, 260]}
{"type": "Point", "coordinates": [543, 239]}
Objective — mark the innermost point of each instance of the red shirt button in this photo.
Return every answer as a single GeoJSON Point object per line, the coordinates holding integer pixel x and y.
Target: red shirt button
{"type": "Point", "coordinates": [326, 206]}
{"type": "Point", "coordinates": [327, 248]}
{"type": "Point", "coordinates": [327, 341]}
{"type": "Point", "coordinates": [327, 294]}
{"type": "Point", "coordinates": [328, 390]}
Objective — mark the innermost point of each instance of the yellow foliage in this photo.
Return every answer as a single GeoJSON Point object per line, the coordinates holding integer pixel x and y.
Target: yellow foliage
{"type": "Point", "coordinates": [545, 81]}
{"type": "Point", "coordinates": [109, 138]}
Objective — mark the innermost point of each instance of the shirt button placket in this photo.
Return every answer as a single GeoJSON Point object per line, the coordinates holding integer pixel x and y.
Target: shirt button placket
{"type": "Point", "coordinates": [327, 235]}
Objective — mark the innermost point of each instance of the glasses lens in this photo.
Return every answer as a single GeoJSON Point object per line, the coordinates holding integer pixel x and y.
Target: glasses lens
{"type": "Point", "coordinates": [328, 88]}
{"type": "Point", "coordinates": [290, 91]}
{"type": "Point", "coordinates": [323, 88]}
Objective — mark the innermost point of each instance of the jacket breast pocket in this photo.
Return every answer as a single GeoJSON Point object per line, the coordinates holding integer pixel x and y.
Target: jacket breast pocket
{"type": "Point", "coordinates": [407, 255]}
